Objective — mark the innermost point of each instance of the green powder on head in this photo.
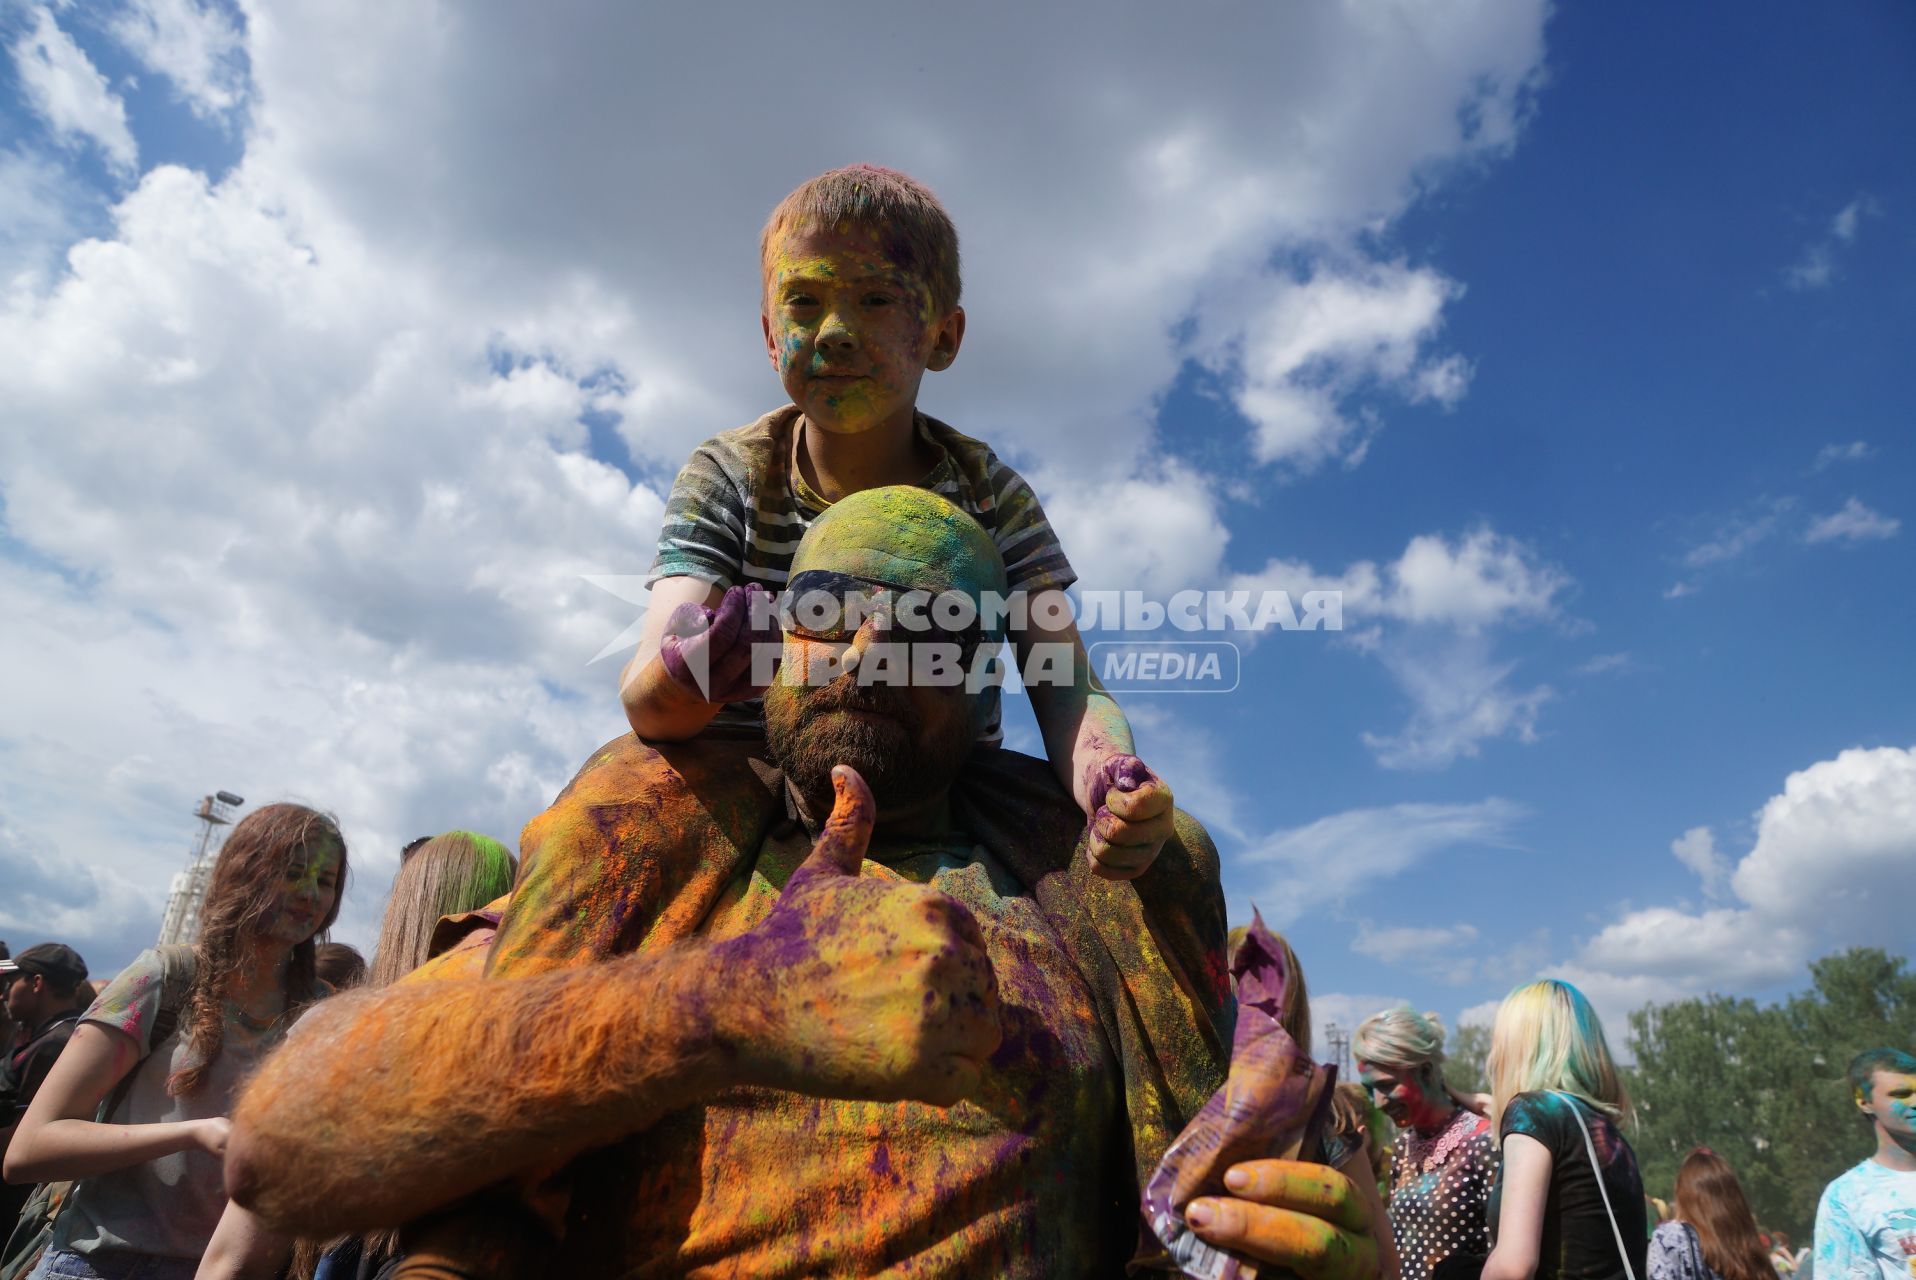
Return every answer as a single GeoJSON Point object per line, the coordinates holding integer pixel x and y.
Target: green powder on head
{"type": "Point", "coordinates": [905, 535]}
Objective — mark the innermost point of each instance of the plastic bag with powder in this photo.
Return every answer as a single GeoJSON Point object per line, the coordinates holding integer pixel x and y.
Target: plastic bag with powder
{"type": "Point", "coordinates": [1274, 1104]}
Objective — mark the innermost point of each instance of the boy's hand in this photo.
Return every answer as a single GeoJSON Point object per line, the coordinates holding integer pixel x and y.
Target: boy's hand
{"type": "Point", "coordinates": [1130, 817]}
{"type": "Point", "coordinates": [709, 651]}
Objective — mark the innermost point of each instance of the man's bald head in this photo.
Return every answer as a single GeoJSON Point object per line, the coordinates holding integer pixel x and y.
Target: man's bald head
{"type": "Point", "coordinates": [904, 535]}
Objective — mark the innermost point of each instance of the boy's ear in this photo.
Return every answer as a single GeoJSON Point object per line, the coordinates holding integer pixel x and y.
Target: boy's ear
{"type": "Point", "coordinates": [945, 344]}
{"type": "Point", "coordinates": [771, 343]}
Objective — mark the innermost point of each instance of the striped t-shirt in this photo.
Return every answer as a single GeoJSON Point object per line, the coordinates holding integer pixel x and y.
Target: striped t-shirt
{"type": "Point", "coordinates": [738, 508]}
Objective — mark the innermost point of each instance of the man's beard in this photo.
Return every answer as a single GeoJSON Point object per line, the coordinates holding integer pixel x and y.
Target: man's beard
{"type": "Point", "coordinates": [899, 762]}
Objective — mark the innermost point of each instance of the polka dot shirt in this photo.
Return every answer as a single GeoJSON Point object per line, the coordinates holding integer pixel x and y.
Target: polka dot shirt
{"type": "Point", "coordinates": [1438, 1193]}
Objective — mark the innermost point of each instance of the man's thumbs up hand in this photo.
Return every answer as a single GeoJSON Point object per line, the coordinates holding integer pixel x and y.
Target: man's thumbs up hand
{"type": "Point", "coordinates": [841, 846]}
{"type": "Point", "coordinates": [860, 987]}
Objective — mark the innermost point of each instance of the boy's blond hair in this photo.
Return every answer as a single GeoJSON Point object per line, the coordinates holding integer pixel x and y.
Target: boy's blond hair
{"type": "Point", "coordinates": [913, 227]}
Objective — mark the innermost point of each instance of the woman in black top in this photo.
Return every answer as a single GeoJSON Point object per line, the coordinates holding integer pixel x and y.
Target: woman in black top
{"type": "Point", "coordinates": [1558, 1104]}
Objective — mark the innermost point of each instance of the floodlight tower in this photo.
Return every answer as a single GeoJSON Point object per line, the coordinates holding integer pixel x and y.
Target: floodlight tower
{"type": "Point", "coordinates": [181, 924]}
{"type": "Point", "coordinates": [1340, 1049]}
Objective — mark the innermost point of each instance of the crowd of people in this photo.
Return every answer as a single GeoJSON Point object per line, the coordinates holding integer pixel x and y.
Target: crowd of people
{"type": "Point", "coordinates": [808, 975]}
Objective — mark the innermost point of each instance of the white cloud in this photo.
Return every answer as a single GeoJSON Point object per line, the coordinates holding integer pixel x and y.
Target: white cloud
{"type": "Point", "coordinates": [1483, 1014]}
{"type": "Point", "coordinates": [1482, 580]}
{"type": "Point", "coordinates": [1311, 346]}
{"type": "Point", "coordinates": [65, 91]}
{"type": "Point", "coordinates": [1395, 945]}
{"type": "Point", "coordinates": [1160, 534]}
{"type": "Point", "coordinates": [1831, 855]}
{"type": "Point", "coordinates": [1831, 454]}
{"type": "Point", "coordinates": [1736, 537]}
{"type": "Point", "coordinates": [1461, 697]}
{"type": "Point", "coordinates": [1696, 849]}
{"type": "Point", "coordinates": [1719, 949]}
{"type": "Point", "coordinates": [197, 47]}
{"type": "Point", "coordinates": [1854, 523]}
{"type": "Point", "coordinates": [1835, 848]}
{"type": "Point", "coordinates": [1344, 1011]}
{"type": "Point", "coordinates": [1448, 597]}
{"type": "Point", "coordinates": [1347, 854]}
{"type": "Point", "coordinates": [39, 206]}
{"type": "Point", "coordinates": [1604, 663]}
{"type": "Point", "coordinates": [1818, 266]}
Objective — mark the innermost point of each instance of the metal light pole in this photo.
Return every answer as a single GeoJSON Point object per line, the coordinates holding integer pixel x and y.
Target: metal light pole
{"type": "Point", "coordinates": [1340, 1043]}
{"type": "Point", "coordinates": [181, 924]}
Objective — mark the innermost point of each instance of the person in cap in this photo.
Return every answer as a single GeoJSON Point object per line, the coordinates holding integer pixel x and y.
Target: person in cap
{"type": "Point", "coordinates": [46, 992]}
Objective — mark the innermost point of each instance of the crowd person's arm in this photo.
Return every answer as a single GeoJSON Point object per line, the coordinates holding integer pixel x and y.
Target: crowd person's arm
{"type": "Point", "coordinates": [1526, 1191]}
{"type": "Point", "coordinates": [1306, 1217]}
{"type": "Point", "coordinates": [58, 1137]}
{"type": "Point", "coordinates": [385, 1105]}
{"type": "Point", "coordinates": [1086, 737]}
{"type": "Point", "coordinates": [243, 1248]}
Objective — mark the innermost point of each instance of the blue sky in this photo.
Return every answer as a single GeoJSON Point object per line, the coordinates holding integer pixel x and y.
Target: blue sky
{"type": "Point", "coordinates": [342, 345]}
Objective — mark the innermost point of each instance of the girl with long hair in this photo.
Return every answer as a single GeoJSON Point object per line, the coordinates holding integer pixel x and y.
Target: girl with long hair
{"type": "Point", "coordinates": [1568, 1204]}
{"type": "Point", "coordinates": [1713, 1235]}
{"type": "Point", "coordinates": [150, 1187]}
{"type": "Point", "coordinates": [446, 875]}
{"type": "Point", "coordinates": [1444, 1156]}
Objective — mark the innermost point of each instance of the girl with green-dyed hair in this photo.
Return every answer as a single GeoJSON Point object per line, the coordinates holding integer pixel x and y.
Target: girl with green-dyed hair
{"type": "Point", "coordinates": [443, 876]}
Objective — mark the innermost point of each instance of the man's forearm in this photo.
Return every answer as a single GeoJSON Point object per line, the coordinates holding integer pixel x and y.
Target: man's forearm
{"type": "Point", "coordinates": [384, 1105]}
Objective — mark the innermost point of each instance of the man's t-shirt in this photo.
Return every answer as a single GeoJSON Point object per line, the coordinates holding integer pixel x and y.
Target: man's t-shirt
{"type": "Point", "coordinates": [169, 1206]}
{"type": "Point", "coordinates": [1866, 1225]}
{"type": "Point", "coordinates": [1031, 1172]}
{"type": "Point", "coordinates": [21, 1074]}
{"type": "Point", "coordinates": [1578, 1241]}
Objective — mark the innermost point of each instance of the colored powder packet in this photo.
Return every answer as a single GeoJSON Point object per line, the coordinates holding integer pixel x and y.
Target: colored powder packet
{"type": "Point", "coordinates": [1274, 1105]}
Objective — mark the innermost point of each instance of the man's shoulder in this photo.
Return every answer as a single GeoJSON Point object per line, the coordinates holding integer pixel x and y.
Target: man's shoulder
{"type": "Point", "coordinates": [629, 768]}
{"type": "Point", "coordinates": [631, 790]}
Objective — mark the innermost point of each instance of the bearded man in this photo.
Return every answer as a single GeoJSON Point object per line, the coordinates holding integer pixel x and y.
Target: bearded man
{"type": "Point", "coordinates": [752, 1016]}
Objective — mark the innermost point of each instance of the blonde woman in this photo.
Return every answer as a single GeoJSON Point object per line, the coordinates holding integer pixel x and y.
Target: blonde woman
{"type": "Point", "coordinates": [1568, 1204]}
{"type": "Point", "coordinates": [1444, 1155]}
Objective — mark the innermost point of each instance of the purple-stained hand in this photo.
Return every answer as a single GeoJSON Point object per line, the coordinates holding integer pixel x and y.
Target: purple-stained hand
{"type": "Point", "coordinates": [709, 651]}
{"type": "Point", "coordinates": [860, 987]}
{"type": "Point", "coordinates": [1131, 817]}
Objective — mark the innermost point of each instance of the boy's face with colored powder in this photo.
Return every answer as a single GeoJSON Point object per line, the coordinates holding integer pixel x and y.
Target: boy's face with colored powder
{"type": "Point", "coordinates": [851, 331]}
{"type": "Point", "coordinates": [1892, 1104]}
